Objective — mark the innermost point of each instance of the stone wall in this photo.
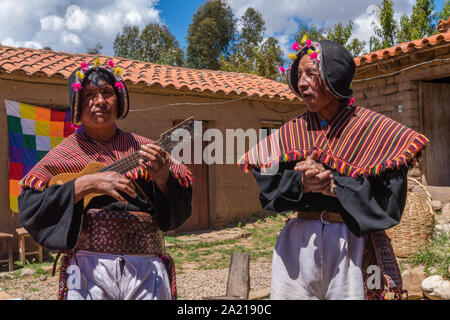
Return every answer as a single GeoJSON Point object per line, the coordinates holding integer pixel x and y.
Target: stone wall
{"type": "Point", "coordinates": [398, 96]}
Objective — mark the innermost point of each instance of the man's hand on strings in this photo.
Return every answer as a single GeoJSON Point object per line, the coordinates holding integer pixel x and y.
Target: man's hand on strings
{"type": "Point", "coordinates": [156, 162]}
{"type": "Point", "coordinates": [315, 177]}
{"type": "Point", "coordinates": [107, 183]}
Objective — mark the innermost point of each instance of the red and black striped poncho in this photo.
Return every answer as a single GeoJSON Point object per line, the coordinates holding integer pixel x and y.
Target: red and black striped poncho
{"type": "Point", "coordinates": [76, 151]}
{"type": "Point", "coordinates": [357, 142]}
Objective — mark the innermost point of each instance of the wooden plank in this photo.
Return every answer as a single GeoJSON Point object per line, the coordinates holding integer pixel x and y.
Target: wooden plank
{"type": "Point", "coordinates": [199, 219]}
{"type": "Point", "coordinates": [10, 256]}
{"type": "Point", "coordinates": [436, 118]}
{"type": "Point", "coordinates": [22, 249]}
{"type": "Point", "coordinates": [239, 275]}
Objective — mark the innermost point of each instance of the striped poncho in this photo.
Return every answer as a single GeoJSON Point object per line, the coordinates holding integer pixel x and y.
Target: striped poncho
{"type": "Point", "coordinates": [75, 152]}
{"type": "Point", "coordinates": [357, 142]}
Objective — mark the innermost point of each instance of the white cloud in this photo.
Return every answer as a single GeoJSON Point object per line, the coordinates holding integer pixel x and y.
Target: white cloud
{"type": "Point", "coordinates": [283, 17]}
{"type": "Point", "coordinates": [76, 19]}
{"type": "Point", "coordinates": [70, 25]}
{"type": "Point", "coordinates": [52, 23]}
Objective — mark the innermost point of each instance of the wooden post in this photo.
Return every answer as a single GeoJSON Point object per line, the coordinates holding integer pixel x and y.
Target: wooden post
{"type": "Point", "coordinates": [22, 249]}
{"type": "Point", "coordinates": [239, 275]}
{"type": "Point", "coordinates": [10, 256]}
{"type": "Point", "coordinates": [40, 253]}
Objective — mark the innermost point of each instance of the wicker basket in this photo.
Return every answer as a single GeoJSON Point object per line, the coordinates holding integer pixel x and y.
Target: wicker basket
{"type": "Point", "coordinates": [415, 230]}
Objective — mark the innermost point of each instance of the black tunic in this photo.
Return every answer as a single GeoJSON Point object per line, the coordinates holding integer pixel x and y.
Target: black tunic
{"type": "Point", "coordinates": [54, 220]}
{"type": "Point", "coordinates": [366, 204]}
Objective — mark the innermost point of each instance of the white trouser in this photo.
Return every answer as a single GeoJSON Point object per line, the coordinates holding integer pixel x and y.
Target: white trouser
{"type": "Point", "coordinates": [117, 277]}
{"type": "Point", "coordinates": [313, 260]}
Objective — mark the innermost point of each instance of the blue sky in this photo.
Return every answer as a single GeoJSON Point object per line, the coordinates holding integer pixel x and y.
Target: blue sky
{"type": "Point", "coordinates": [76, 25]}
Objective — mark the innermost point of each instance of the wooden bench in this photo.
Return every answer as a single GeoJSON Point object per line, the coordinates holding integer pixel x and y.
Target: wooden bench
{"type": "Point", "coordinates": [238, 286]}
{"type": "Point", "coordinates": [23, 235]}
{"type": "Point", "coordinates": [6, 238]}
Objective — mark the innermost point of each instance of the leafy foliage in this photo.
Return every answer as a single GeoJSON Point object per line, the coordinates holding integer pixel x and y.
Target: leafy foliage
{"type": "Point", "coordinates": [314, 33]}
{"type": "Point", "coordinates": [250, 54]}
{"type": "Point", "coordinates": [341, 33]}
{"type": "Point", "coordinates": [210, 35]}
{"type": "Point", "coordinates": [422, 20]}
{"type": "Point", "coordinates": [445, 11]}
{"type": "Point", "coordinates": [252, 32]}
{"type": "Point", "coordinates": [96, 50]}
{"type": "Point", "coordinates": [154, 44]}
{"type": "Point", "coordinates": [386, 28]}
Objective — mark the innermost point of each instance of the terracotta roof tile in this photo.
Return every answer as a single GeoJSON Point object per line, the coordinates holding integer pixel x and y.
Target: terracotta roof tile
{"type": "Point", "coordinates": [406, 47]}
{"type": "Point", "coordinates": [443, 25]}
{"type": "Point", "coordinates": [33, 61]}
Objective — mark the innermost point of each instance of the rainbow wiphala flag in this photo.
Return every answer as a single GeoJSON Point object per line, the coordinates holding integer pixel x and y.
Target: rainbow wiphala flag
{"type": "Point", "coordinates": [33, 131]}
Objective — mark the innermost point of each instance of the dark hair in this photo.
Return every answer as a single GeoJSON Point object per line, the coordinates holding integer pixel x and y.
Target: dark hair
{"type": "Point", "coordinates": [93, 77]}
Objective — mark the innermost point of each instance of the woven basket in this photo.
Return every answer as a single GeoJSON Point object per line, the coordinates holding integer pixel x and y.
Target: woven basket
{"type": "Point", "coordinates": [415, 230]}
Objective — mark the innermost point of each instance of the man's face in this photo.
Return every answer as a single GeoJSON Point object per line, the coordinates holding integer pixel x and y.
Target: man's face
{"type": "Point", "coordinates": [310, 85]}
{"type": "Point", "coordinates": [98, 105]}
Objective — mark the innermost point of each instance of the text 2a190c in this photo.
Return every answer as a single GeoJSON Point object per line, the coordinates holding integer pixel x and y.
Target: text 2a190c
{"type": "Point", "coordinates": [246, 309]}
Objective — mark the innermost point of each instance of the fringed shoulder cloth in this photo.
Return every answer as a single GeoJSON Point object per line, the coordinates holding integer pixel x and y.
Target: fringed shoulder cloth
{"type": "Point", "coordinates": [358, 142]}
{"type": "Point", "coordinates": [77, 151]}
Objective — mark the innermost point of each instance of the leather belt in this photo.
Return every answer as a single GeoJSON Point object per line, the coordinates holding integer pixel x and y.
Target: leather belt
{"type": "Point", "coordinates": [326, 217]}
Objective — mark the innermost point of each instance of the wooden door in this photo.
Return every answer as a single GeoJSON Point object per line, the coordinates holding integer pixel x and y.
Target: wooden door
{"type": "Point", "coordinates": [435, 99]}
{"type": "Point", "coordinates": [199, 219]}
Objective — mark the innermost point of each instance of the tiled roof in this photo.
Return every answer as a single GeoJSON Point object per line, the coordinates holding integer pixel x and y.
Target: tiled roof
{"type": "Point", "coordinates": [406, 47]}
{"type": "Point", "coordinates": [443, 25]}
{"type": "Point", "coordinates": [57, 64]}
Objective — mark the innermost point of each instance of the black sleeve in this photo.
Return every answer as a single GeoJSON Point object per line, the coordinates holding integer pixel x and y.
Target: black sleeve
{"type": "Point", "coordinates": [174, 210]}
{"type": "Point", "coordinates": [51, 217]}
{"type": "Point", "coordinates": [365, 204]}
{"type": "Point", "coordinates": [373, 203]}
{"type": "Point", "coordinates": [282, 191]}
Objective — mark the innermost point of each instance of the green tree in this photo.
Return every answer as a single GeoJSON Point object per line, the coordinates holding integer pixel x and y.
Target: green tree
{"type": "Point", "coordinates": [252, 32]}
{"type": "Point", "coordinates": [312, 31]}
{"type": "Point", "coordinates": [342, 33]}
{"type": "Point", "coordinates": [385, 28]}
{"type": "Point", "coordinates": [404, 31]}
{"type": "Point", "coordinates": [96, 50]}
{"type": "Point", "coordinates": [127, 43]}
{"type": "Point", "coordinates": [445, 13]}
{"type": "Point", "coordinates": [159, 45]}
{"type": "Point", "coordinates": [265, 60]}
{"type": "Point", "coordinates": [423, 19]}
{"type": "Point", "coordinates": [154, 44]}
{"type": "Point", "coordinates": [210, 34]}
{"type": "Point", "coordinates": [356, 47]}
{"type": "Point", "coordinates": [269, 57]}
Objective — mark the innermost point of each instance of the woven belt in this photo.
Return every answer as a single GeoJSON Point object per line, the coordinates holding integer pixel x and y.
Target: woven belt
{"type": "Point", "coordinates": [326, 217]}
{"type": "Point", "coordinates": [120, 232]}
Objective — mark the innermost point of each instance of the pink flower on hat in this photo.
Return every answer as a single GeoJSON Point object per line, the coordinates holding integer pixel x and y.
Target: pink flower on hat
{"type": "Point", "coordinates": [313, 55]}
{"type": "Point", "coordinates": [308, 43]}
{"type": "Point", "coordinates": [84, 66]}
{"type": "Point", "coordinates": [282, 69]}
{"type": "Point", "coordinates": [111, 63]}
{"type": "Point", "coordinates": [76, 86]}
{"type": "Point", "coordinates": [295, 46]}
{"type": "Point", "coordinates": [119, 85]}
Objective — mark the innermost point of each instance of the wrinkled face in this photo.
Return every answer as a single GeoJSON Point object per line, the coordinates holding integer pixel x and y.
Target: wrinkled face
{"type": "Point", "coordinates": [98, 105]}
{"type": "Point", "coordinates": [311, 86]}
